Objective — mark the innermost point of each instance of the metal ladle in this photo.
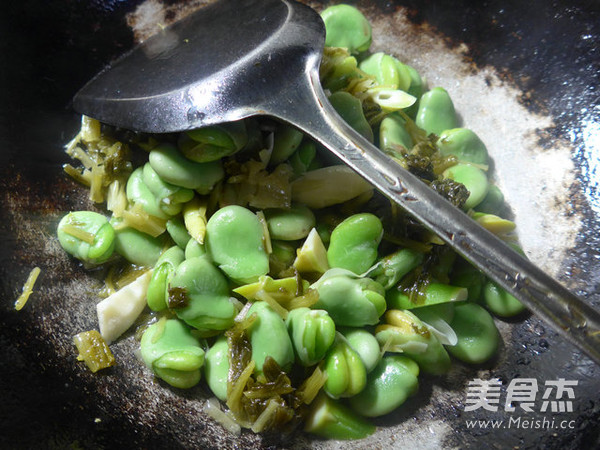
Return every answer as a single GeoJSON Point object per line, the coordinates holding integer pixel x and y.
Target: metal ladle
{"type": "Point", "coordinates": [235, 59]}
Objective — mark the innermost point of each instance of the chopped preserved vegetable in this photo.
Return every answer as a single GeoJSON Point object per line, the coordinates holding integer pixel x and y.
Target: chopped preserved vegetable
{"type": "Point", "coordinates": [27, 288]}
{"type": "Point", "coordinates": [93, 350]}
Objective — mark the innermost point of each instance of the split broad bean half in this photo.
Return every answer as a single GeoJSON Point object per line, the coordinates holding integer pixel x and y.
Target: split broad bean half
{"type": "Point", "coordinates": [271, 264]}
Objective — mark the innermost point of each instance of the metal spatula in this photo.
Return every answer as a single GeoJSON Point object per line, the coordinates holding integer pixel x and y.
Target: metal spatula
{"type": "Point", "coordinates": [235, 59]}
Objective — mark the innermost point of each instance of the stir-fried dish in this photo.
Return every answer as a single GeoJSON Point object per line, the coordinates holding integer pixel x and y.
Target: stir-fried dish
{"type": "Point", "coordinates": [293, 290]}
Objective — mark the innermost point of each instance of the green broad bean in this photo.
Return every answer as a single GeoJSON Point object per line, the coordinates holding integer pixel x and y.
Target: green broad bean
{"type": "Point", "coordinates": [174, 168]}
{"type": "Point", "coordinates": [493, 203]}
{"type": "Point", "coordinates": [437, 321]}
{"type": "Point", "coordinates": [464, 144]}
{"type": "Point", "coordinates": [350, 109]}
{"type": "Point", "coordinates": [436, 112]}
{"type": "Point", "coordinates": [434, 361]}
{"type": "Point", "coordinates": [416, 89]}
{"type": "Point", "coordinates": [139, 193]}
{"type": "Point", "coordinates": [170, 350]}
{"type": "Point", "coordinates": [167, 194]}
{"type": "Point", "coordinates": [194, 249]}
{"type": "Point", "coordinates": [404, 332]}
{"type": "Point", "coordinates": [137, 247]}
{"type": "Point", "coordinates": [441, 311]}
{"type": "Point", "coordinates": [178, 232]}
{"type": "Point", "coordinates": [387, 70]}
{"type": "Point", "coordinates": [289, 224]}
{"type": "Point", "coordinates": [433, 294]}
{"type": "Point", "coordinates": [312, 332]}
{"type": "Point", "coordinates": [86, 235]}
{"type": "Point", "coordinates": [303, 158]}
{"type": "Point", "coordinates": [346, 27]}
{"type": "Point", "coordinates": [213, 142]}
{"type": "Point", "coordinates": [500, 302]}
{"type": "Point", "coordinates": [478, 337]}
{"type": "Point", "coordinates": [474, 179]}
{"type": "Point", "coordinates": [216, 368]}
{"type": "Point", "coordinates": [350, 301]}
{"type": "Point", "coordinates": [354, 242]}
{"type": "Point", "coordinates": [199, 295]}
{"type": "Point", "coordinates": [330, 419]}
{"type": "Point", "coordinates": [470, 278]}
{"type": "Point", "coordinates": [315, 164]}
{"type": "Point", "coordinates": [282, 256]}
{"type": "Point", "coordinates": [157, 293]}
{"type": "Point", "coordinates": [364, 344]}
{"type": "Point", "coordinates": [390, 384]}
{"type": "Point", "coordinates": [234, 241]}
{"type": "Point", "coordinates": [286, 141]}
{"type": "Point", "coordinates": [269, 337]}
{"type": "Point", "coordinates": [393, 134]}
{"type": "Point", "coordinates": [440, 271]}
{"type": "Point", "coordinates": [346, 373]}
{"type": "Point", "coordinates": [390, 269]}
{"type": "Point", "coordinates": [324, 232]}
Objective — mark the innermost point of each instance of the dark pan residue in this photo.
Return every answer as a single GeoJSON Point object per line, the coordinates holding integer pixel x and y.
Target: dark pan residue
{"type": "Point", "coordinates": [549, 50]}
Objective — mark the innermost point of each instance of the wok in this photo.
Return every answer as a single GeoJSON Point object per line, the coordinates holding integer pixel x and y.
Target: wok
{"type": "Point", "coordinates": [524, 76]}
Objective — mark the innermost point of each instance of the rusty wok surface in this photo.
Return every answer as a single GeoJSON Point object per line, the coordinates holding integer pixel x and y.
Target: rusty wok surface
{"type": "Point", "coordinates": [523, 75]}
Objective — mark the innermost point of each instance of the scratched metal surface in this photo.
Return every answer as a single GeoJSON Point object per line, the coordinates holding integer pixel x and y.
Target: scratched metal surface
{"type": "Point", "coordinates": [524, 76]}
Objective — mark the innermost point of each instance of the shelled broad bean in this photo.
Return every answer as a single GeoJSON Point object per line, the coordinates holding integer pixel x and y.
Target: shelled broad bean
{"type": "Point", "coordinates": [269, 265]}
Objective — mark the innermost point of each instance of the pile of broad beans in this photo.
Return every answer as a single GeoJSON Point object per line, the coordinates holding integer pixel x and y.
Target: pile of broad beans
{"type": "Point", "coordinates": [297, 293]}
